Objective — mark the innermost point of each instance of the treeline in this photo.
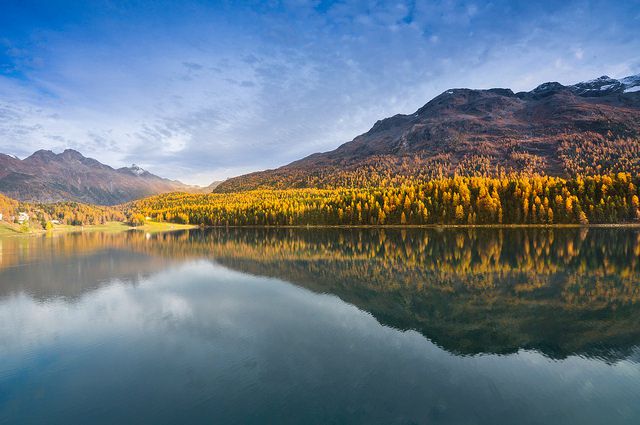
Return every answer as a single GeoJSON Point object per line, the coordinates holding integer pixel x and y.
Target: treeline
{"type": "Point", "coordinates": [69, 213]}
{"type": "Point", "coordinates": [75, 213]}
{"type": "Point", "coordinates": [455, 200]}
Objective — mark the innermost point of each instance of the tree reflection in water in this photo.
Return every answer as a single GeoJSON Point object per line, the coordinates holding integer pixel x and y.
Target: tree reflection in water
{"type": "Point", "coordinates": [561, 291]}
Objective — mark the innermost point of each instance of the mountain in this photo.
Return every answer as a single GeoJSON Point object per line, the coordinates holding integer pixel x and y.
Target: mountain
{"type": "Point", "coordinates": [208, 189]}
{"type": "Point", "coordinates": [587, 128]}
{"type": "Point", "coordinates": [69, 176]}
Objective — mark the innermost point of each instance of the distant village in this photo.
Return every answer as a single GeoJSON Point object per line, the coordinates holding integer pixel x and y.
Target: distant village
{"type": "Point", "coordinates": [21, 218]}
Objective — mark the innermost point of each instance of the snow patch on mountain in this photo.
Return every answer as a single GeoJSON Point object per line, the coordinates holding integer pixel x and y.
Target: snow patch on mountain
{"type": "Point", "coordinates": [632, 80]}
{"type": "Point", "coordinates": [137, 170]}
{"type": "Point", "coordinates": [606, 85]}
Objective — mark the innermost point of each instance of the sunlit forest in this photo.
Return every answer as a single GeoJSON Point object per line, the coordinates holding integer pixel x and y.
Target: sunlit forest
{"type": "Point", "coordinates": [541, 200]}
{"type": "Point", "coordinates": [75, 213]}
{"type": "Point", "coordinates": [455, 200]}
{"type": "Point", "coordinates": [69, 213]}
{"type": "Point", "coordinates": [8, 206]}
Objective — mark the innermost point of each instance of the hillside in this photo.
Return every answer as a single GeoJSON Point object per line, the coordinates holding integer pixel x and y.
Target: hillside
{"type": "Point", "coordinates": [591, 127]}
{"type": "Point", "coordinates": [69, 176]}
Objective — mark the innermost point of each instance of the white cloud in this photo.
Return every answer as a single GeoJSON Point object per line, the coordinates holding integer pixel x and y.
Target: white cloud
{"type": "Point", "coordinates": [257, 91]}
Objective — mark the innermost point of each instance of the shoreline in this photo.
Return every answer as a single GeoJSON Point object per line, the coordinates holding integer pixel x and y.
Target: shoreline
{"type": "Point", "coordinates": [8, 230]}
{"type": "Point", "coordinates": [11, 230]}
{"type": "Point", "coordinates": [422, 226]}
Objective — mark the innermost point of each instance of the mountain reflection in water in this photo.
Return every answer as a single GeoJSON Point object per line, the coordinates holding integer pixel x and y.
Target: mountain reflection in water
{"type": "Point", "coordinates": [319, 326]}
{"type": "Point", "coordinates": [559, 291]}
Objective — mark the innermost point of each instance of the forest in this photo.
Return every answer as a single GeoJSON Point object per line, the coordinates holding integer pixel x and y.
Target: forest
{"type": "Point", "coordinates": [69, 213]}
{"type": "Point", "coordinates": [455, 200]}
{"type": "Point", "coordinates": [542, 200]}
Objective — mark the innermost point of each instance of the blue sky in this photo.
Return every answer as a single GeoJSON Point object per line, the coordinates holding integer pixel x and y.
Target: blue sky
{"type": "Point", "coordinates": [201, 90]}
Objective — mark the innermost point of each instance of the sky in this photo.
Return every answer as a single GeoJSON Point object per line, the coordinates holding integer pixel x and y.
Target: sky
{"type": "Point", "coordinates": [205, 90]}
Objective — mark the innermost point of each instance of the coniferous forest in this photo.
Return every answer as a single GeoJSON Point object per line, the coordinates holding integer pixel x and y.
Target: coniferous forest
{"type": "Point", "coordinates": [455, 200]}
{"type": "Point", "coordinates": [540, 200]}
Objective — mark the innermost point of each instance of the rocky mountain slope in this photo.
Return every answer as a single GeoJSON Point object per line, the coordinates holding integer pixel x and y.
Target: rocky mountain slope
{"type": "Point", "coordinates": [69, 176]}
{"type": "Point", "coordinates": [590, 127]}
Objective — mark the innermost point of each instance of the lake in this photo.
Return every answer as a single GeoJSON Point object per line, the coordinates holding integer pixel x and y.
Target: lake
{"type": "Point", "coordinates": [322, 326]}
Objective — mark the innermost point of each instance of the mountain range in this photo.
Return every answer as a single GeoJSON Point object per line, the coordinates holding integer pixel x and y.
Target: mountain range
{"type": "Point", "coordinates": [592, 127]}
{"type": "Point", "coordinates": [586, 128]}
{"type": "Point", "coordinates": [69, 176]}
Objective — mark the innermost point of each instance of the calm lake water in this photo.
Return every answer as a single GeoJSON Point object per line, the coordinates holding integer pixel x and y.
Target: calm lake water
{"type": "Point", "coordinates": [308, 326]}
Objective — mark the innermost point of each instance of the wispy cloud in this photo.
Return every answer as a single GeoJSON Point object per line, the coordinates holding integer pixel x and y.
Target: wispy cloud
{"type": "Point", "coordinates": [201, 91]}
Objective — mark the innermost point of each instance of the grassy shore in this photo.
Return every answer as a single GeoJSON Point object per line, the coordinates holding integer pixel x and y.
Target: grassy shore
{"type": "Point", "coordinates": [10, 229]}
{"type": "Point", "coordinates": [154, 226]}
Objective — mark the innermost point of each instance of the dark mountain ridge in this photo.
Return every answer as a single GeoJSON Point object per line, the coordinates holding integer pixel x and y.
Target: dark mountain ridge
{"type": "Point", "coordinates": [69, 176]}
{"type": "Point", "coordinates": [589, 127]}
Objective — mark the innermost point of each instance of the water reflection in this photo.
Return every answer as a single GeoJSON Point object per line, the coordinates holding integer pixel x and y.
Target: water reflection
{"type": "Point", "coordinates": [480, 326]}
{"type": "Point", "coordinates": [558, 291]}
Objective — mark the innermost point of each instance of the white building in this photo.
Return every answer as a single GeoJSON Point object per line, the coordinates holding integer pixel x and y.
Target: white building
{"type": "Point", "coordinates": [22, 217]}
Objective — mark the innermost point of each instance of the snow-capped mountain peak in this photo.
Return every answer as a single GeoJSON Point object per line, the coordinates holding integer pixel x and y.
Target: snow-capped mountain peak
{"type": "Point", "coordinates": [137, 170]}
{"type": "Point", "coordinates": [606, 85]}
{"type": "Point", "coordinates": [631, 83]}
